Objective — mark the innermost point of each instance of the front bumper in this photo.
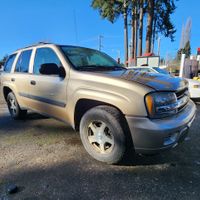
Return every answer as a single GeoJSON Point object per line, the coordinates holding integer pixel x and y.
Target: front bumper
{"type": "Point", "coordinates": [154, 135]}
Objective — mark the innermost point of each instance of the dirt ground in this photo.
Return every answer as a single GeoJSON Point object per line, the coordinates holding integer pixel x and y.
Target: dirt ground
{"type": "Point", "coordinates": [46, 160]}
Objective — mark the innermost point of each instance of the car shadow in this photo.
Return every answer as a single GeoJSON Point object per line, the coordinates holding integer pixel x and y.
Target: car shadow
{"type": "Point", "coordinates": [42, 125]}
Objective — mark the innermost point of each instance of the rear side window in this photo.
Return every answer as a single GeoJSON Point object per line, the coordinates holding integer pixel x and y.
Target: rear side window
{"type": "Point", "coordinates": [23, 62]}
{"type": "Point", "coordinates": [9, 63]}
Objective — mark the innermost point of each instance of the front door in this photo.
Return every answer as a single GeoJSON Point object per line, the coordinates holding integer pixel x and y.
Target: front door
{"type": "Point", "coordinates": [48, 92]}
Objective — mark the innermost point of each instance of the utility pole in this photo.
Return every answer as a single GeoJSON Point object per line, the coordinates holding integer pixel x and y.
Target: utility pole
{"type": "Point", "coordinates": [100, 42]}
{"type": "Point", "coordinates": [159, 45]}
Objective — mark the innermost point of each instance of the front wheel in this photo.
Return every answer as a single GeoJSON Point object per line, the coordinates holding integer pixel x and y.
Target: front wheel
{"type": "Point", "coordinates": [102, 134]}
{"type": "Point", "coordinates": [15, 111]}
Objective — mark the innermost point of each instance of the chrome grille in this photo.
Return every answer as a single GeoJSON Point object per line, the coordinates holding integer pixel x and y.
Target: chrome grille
{"type": "Point", "coordinates": [182, 98]}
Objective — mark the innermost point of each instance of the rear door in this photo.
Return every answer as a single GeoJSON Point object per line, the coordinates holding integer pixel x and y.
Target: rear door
{"type": "Point", "coordinates": [20, 76]}
{"type": "Point", "coordinates": [48, 93]}
{"type": "Point", "coordinates": [6, 76]}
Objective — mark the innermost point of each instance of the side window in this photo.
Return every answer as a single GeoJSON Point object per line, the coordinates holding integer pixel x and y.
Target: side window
{"type": "Point", "coordinates": [46, 58]}
{"type": "Point", "coordinates": [23, 62]}
{"type": "Point", "coordinates": [9, 63]}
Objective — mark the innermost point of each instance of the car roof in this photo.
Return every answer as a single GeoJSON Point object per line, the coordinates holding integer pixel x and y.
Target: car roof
{"type": "Point", "coordinates": [43, 44]}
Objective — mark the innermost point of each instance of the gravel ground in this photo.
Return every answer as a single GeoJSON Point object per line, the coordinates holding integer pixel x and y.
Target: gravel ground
{"type": "Point", "coordinates": [46, 160]}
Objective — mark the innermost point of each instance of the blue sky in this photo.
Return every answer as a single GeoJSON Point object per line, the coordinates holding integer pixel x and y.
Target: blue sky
{"type": "Point", "coordinates": [24, 22]}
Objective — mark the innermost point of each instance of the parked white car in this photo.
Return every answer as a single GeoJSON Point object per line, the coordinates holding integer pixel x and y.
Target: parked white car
{"type": "Point", "coordinates": [194, 88]}
{"type": "Point", "coordinates": [194, 85]}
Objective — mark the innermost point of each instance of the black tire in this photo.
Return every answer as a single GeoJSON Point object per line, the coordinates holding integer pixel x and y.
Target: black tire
{"type": "Point", "coordinates": [96, 118]}
{"type": "Point", "coordinates": [15, 111]}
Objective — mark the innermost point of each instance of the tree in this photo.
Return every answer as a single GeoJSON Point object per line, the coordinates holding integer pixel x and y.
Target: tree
{"type": "Point", "coordinates": [140, 42]}
{"type": "Point", "coordinates": [161, 20]}
{"type": "Point", "coordinates": [135, 11]}
{"type": "Point", "coordinates": [125, 10]}
{"type": "Point", "coordinates": [164, 9]}
{"type": "Point", "coordinates": [182, 41]}
{"type": "Point", "coordinates": [157, 12]}
{"type": "Point", "coordinates": [111, 10]}
{"type": "Point", "coordinates": [179, 53]}
{"type": "Point", "coordinates": [150, 17]}
{"type": "Point", "coordinates": [134, 27]}
{"type": "Point", "coordinates": [3, 60]}
{"type": "Point", "coordinates": [186, 33]}
{"type": "Point", "coordinates": [186, 50]}
{"type": "Point", "coordinates": [185, 47]}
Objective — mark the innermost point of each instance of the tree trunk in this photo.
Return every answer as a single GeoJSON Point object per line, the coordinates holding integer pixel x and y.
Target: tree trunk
{"type": "Point", "coordinates": [153, 35]}
{"type": "Point", "coordinates": [132, 33]}
{"type": "Point", "coordinates": [136, 33]}
{"type": "Point", "coordinates": [125, 34]}
{"type": "Point", "coordinates": [141, 28]}
{"type": "Point", "coordinates": [150, 17]}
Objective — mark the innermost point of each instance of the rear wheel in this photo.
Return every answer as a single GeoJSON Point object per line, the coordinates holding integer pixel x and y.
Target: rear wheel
{"type": "Point", "coordinates": [15, 111]}
{"type": "Point", "coordinates": [102, 134]}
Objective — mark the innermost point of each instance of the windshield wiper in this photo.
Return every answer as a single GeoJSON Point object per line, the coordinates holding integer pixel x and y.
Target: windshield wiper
{"type": "Point", "coordinates": [100, 67]}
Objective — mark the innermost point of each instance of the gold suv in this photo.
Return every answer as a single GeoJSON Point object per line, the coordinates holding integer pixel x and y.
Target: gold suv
{"type": "Point", "coordinates": [111, 106]}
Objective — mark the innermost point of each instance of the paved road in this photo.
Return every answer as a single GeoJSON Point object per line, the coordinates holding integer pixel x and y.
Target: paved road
{"type": "Point", "coordinates": [45, 158]}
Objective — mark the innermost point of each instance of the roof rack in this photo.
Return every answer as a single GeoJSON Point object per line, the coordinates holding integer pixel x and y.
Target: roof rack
{"type": "Point", "coordinates": [35, 44]}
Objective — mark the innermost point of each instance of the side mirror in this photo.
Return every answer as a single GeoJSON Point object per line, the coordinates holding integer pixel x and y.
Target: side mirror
{"type": "Point", "coordinates": [49, 69]}
{"type": "Point", "coordinates": [62, 72]}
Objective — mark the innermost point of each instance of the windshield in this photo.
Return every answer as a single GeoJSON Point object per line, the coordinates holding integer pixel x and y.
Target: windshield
{"type": "Point", "coordinates": [143, 69]}
{"type": "Point", "coordinates": [89, 59]}
{"type": "Point", "coordinates": [162, 71]}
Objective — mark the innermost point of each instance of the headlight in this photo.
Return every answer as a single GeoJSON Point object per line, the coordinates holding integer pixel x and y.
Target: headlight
{"type": "Point", "coordinates": [161, 104]}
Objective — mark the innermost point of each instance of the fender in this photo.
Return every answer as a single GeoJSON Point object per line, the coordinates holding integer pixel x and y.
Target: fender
{"type": "Point", "coordinates": [114, 99]}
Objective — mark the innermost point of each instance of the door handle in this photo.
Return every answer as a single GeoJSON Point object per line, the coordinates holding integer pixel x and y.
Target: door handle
{"type": "Point", "coordinates": [13, 79]}
{"type": "Point", "coordinates": [33, 82]}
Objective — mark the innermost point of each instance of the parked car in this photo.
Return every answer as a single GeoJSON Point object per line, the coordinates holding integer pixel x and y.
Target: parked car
{"type": "Point", "coordinates": [193, 87]}
{"type": "Point", "coordinates": [151, 69]}
{"type": "Point", "coordinates": [113, 108]}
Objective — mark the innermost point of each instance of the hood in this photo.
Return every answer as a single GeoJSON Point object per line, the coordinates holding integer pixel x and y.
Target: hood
{"type": "Point", "coordinates": [156, 81]}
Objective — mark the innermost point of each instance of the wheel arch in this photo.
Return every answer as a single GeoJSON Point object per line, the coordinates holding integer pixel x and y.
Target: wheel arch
{"type": "Point", "coordinates": [6, 91]}
{"type": "Point", "coordinates": [83, 105]}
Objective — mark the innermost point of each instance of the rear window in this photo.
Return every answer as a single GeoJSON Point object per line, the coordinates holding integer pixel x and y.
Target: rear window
{"type": "Point", "coordinates": [23, 62]}
{"type": "Point", "coordinates": [9, 63]}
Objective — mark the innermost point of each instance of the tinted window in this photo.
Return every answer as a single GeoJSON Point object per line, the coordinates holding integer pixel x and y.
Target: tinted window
{"type": "Point", "coordinates": [9, 63]}
{"type": "Point", "coordinates": [45, 56]}
{"type": "Point", "coordinates": [23, 62]}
